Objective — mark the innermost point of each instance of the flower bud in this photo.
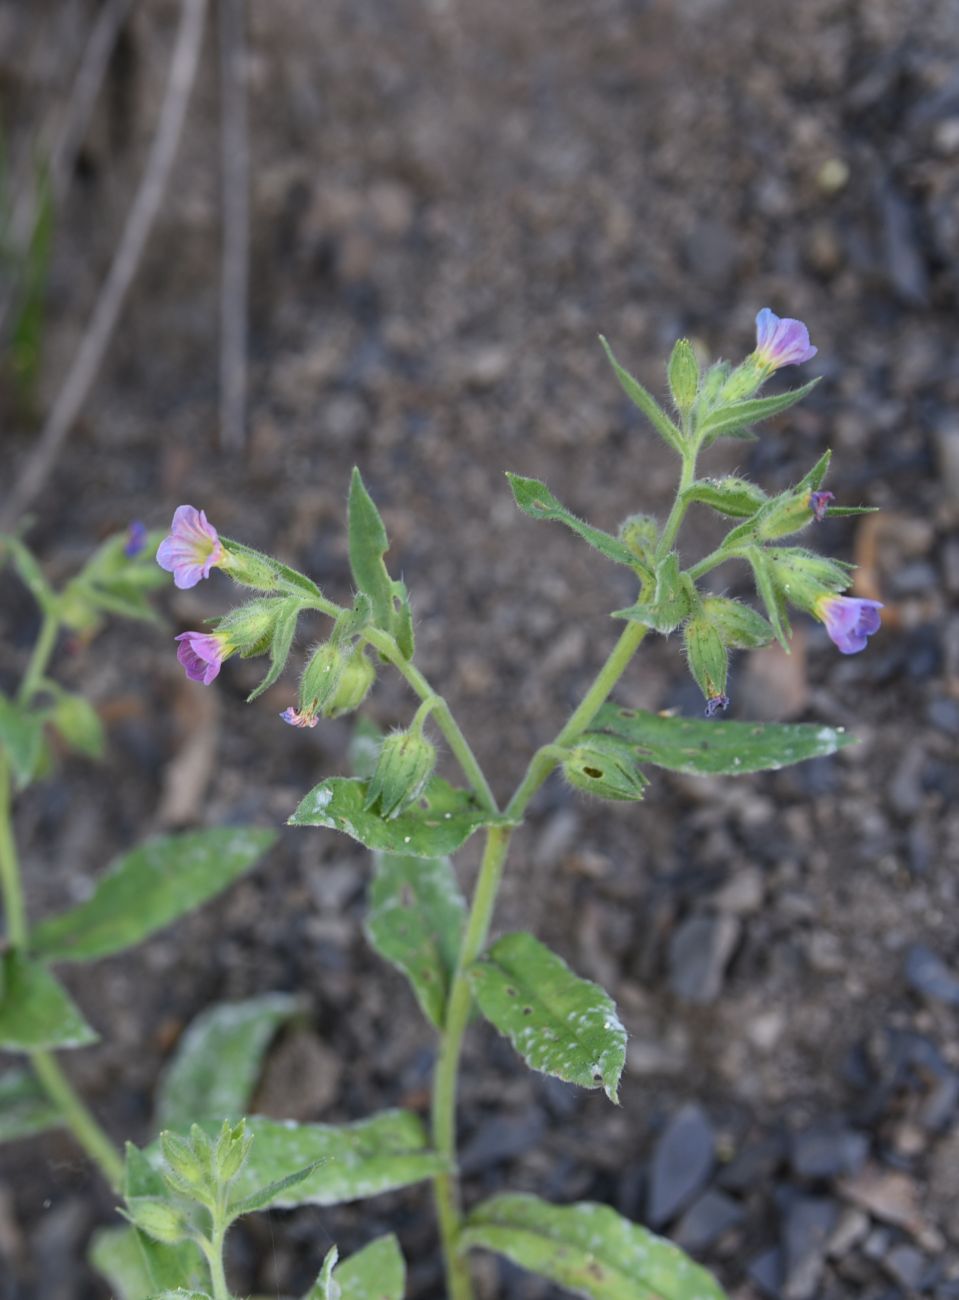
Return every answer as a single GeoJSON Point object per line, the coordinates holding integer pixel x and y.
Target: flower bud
{"type": "Point", "coordinates": [605, 767]}
{"type": "Point", "coordinates": [402, 770]}
{"type": "Point", "coordinates": [251, 627]}
{"type": "Point", "coordinates": [708, 657]}
{"type": "Point", "coordinates": [249, 568]}
{"type": "Point", "coordinates": [186, 1172]}
{"type": "Point", "coordinates": [786, 514]}
{"type": "Point", "coordinates": [231, 1150]}
{"type": "Point", "coordinates": [157, 1218]}
{"type": "Point", "coordinates": [353, 686]}
{"type": "Point", "coordinates": [744, 382]}
{"type": "Point", "coordinates": [641, 534]}
{"type": "Point", "coordinates": [683, 375]}
{"type": "Point", "coordinates": [321, 677]}
{"type": "Point", "coordinates": [803, 577]}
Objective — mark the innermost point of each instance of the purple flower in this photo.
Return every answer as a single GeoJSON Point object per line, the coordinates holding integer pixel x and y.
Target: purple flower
{"type": "Point", "coordinates": [818, 503]}
{"type": "Point", "coordinates": [295, 719]}
{"type": "Point", "coordinates": [716, 704]}
{"type": "Point", "coordinates": [202, 654]}
{"type": "Point", "coordinates": [849, 621]}
{"type": "Point", "coordinates": [192, 549]}
{"type": "Point", "coordinates": [136, 539]}
{"type": "Point", "coordinates": [781, 341]}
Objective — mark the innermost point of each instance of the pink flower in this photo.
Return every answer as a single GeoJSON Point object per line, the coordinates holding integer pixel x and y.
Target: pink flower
{"type": "Point", "coordinates": [849, 621]}
{"type": "Point", "coordinates": [295, 719]}
{"type": "Point", "coordinates": [781, 341]}
{"type": "Point", "coordinates": [202, 654]}
{"type": "Point", "coordinates": [192, 549]}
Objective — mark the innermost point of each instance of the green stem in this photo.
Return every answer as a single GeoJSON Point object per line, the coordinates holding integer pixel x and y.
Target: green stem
{"type": "Point", "coordinates": [42, 650]}
{"type": "Point", "coordinates": [710, 562]}
{"type": "Point", "coordinates": [13, 905]}
{"type": "Point", "coordinates": [477, 929]}
{"type": "Point", "coordinates": [675, 518]}
{"type": "Point", "coordinates": [213, 1250]}
{"type": "Point", "coordinates": [447, 724]}
{"type": "Point", "coordinates": [82, 1124]}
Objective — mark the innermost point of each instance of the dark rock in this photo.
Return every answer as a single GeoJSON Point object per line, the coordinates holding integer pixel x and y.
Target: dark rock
{"type": "Point", "coordinates": [709, 1216]}
{"type": "Point", "coordinates": [905, 265]}
{"type": "Point", "coordinates": [766, 1272]}
{"type": "Point", "coordinates": [940, 1106]}
{"type": "Point", "coordinates": [754, 1165]}
{"type": "Point", "coordinates": [927, 974]}
{"type": "Point", "coordinates": [501, 1139]}
{"type": "Point", "coordinates": [698, 954]}
{"type": "Point", "coordinates": [827, 1150]}
{"type": "Point", "coordinates": [808, 1223]}
{"type": "Point", "coordinates": [681, 1164]}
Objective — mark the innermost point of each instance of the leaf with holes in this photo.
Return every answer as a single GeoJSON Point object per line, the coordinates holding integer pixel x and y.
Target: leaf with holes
{"type": "Point", "coordinates": [535, 499]}
{"type": "Point", "coordinates": [559, 1023]}
{"type": "Point", "coordinates": [440, 821]}
{"type": "Point", "coordinates": [25, 1108]}
{"type": "Point", "coordinates": [148, 888]}
{"type": "Point", "coordinates": [36, 1012]}
{"type": "Point", "coordinates": [218, 1060]}
{"type": "Point", "coordinates": [416, 921]}
{"type": "Point", "coordinates": [589, 1249]}
{"type": "Point", "coordinates": [719, 748]}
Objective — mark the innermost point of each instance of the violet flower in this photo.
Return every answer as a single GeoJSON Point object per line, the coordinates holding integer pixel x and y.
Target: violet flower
{"type": "Point", "coordinates": [136, 539]}
{"type": "Point", "coordinates": [781, 341]}
{"type": "Point", "coordinates": [818, 503]}
{"type": "Point", "coordinates": [192, 549]}
{"type": "Point", "coordinates": [202, 654]}
{"type": "Point", "coordinates": [849, 621]}
{"type": "Point", "coordinates": [716, 704]}
{"type": "Point", "coordinates": [294, 719]}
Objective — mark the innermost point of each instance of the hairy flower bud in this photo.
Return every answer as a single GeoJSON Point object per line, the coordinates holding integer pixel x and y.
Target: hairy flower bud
{"type": "Point", "coordinates": [605, 767]}
{"type": "Point", "coordinates": [402, 770]}
{"type": "Point", "coordinates": [157, 1218]}
{"type": "Point", "coordinates": [353, 686]}
{"type": "Point", "coordinates": [231, 1150]}
{"type": "Point", "coordinates": [321, 678]}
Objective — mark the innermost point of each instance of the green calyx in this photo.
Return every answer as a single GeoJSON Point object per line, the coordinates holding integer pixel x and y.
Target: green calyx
{"type": "Point", "coordinates": [404, 766]}
{"type": "Point", "coordinates": [605, 768]}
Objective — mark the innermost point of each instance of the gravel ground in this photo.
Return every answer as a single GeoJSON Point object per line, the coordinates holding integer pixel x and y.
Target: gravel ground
{"type": "Point", "coordinates": [450, 203]}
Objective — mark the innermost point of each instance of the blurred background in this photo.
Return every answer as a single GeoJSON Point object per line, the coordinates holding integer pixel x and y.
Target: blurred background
{"type": "Point", "coordinates": [431, 211]}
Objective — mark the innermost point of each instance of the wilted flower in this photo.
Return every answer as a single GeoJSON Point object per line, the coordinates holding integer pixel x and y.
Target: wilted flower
{"type": "Point", "coordinates": [202, 654]}
{"type": "Point", "coordinates": [136, 539]}
{"type": "Point", "coordinates": [849, 620]}
{"type": "Point", "coordinates": [294, 719]}
{"type": "Point", "coordinates": [716, 704]}
{"type": "Point", "coordinates": [192, 549]}
{"type": "Point", "coordinates": [781, 341]}
{"type": "Point", "coordinates": [818, 503]}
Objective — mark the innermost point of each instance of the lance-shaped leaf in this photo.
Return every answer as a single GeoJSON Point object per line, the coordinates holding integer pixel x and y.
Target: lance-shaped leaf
{"type": "Point", "coordinates": [770, 594]}
{"type": "Point", "coordinates": [535, 499]}
{"type": "Point", "coordinates": [21, 738]}
{"type": "Point", "coordinates": [368, 544]}
{"type": "Point", "coordinates": [352, 1160]}
{"type": "Point", "coordinates": [735, 420]}
{"type": "Point", "coordinates": [218, 1060]}
{"type": "Point", "coordinates": [377, 1272]}
{"type": "Point", "coordinates": [325, 1288]}
{"type": "Point", "coordinates": [25, 1108]}
{"type": "Point", "coordinates": [589, 1249]}
{"type": "Point", "coordinates": [719, 748]}
{"type": "Point", "coordinates": [284, 630]}
{"type": "Point", "coordinates": [36, 1012]}
{"type": "Point", "coordinates": [416, 919]}
{"type": "Point", "coordinates": [442, 819]}
{"type": "Point", "coordinates": [274, 1192]}
{"type": "Point", "coordinates": [148, 888]}
{"type": "Point", "coordinates": [671, 601]}
{"type": "Point", "coordinates": [559, 1023]}
{"type": "Point", "coordinates": [736, 498]}
{"type": "Point", "coordinates": [638, 395]}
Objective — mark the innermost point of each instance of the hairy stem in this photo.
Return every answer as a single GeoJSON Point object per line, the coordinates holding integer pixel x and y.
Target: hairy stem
{"type": "Point", "coordinates": [213, 1251]}
{"type": "Point", "coordinates": [84, 1127]}
{"type": "Point", "coordinates": [42, 650]}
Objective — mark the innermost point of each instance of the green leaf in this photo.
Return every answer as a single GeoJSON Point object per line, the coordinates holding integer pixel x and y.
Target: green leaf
{"type": "Point", "coordinates": [78, 723]}
{"type": "Point", "coordinates": [736, 498]}
{"type": "Point", "coordinates": [283, 632]}
{"type": "Point", "coordinates": [28, 571]}
{"type": "Point", "coordinates": [36, 1012]}
{"type": "Point", "coordinates": [719, 748]}
{"type": "Point", "coordinates": [377, 1272]}
{"type": "Point", "coordinates": [180, 1294]}
{"type": "Point", "coordinates": [403, 620]}
{"type": "Point", "coordinates": [21, 735]}
{"type": "Point", "coordinates": [166, 1266]}
{"type": "Point", "coordinates": [769, 594]}
{"type": "Point", "coordinates": [325, 1288]}
{"type": "Point", "coordinates": [442, 819]}
{"type": "Point", "coordinates": [683, 375]}
{"type": "Point", "coordinates": [671, 601]}
{"type": "Point", "coordinates": [353, 1160]}
{"type": "Point", "coordinates": [559, 1023]}
{"type": "Point", "coordinates": [24, 1107]}
{"type": "Point", "coordinates": [813, 480]}
{"type": "Point", "coordinates": [416, 920]}
{"type": "Point", "coordinates": [272, 1193]}
{"type": "Point", "coordinates": [218, 1061]}
{"type": "Point", "coordinates": [535, 499]}
{"type": "Point", "coordinates": [589, 1249]}
{"type": "Point", "coordinates": [733, 421]}
{"type": "Point", "coordinates": [150, 887]}
{"type": "Point", "coordinates": [638, 395]}
{"type": "Point", "coordinates": [368, 544]}
{"type": "Point", "coordinates": [117, 1254]}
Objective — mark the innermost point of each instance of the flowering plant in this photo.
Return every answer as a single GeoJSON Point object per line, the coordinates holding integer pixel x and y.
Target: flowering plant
{"type": "Point", "coordinates": [182, 1193]}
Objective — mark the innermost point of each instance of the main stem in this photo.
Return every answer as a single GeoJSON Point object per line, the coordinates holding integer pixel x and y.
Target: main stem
{"type": "Point", "coordinates": [446, 1185]}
